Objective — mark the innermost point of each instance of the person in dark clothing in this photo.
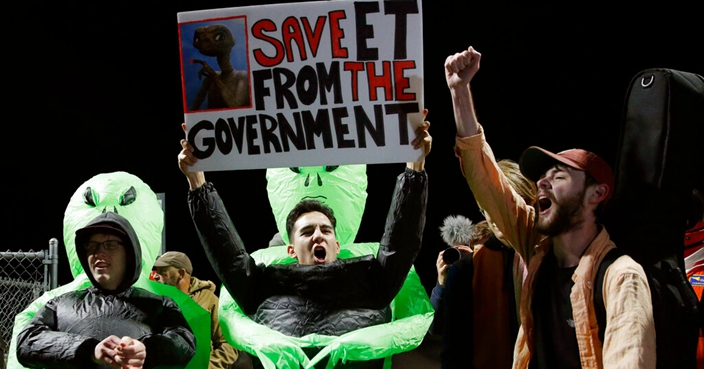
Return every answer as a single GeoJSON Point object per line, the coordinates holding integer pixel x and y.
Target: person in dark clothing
{"type": "Point", "coordinates": [479, 304]}
{"type": "Point", "coordinates": [111, 324]}
{"type": "Point", "coordinates": [319, 294]}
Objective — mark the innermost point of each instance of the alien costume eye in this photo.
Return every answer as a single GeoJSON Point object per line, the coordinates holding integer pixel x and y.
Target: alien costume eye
{"type": "Point", "coordinates": [314, 170]}
{"type": "Point", "coordinates": [129, 196]}
{"type": "Point", "coordinates": [89, 197]}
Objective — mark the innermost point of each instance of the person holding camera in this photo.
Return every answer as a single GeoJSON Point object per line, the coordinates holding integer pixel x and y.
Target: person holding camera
{"type": "Point", "coordinates": [460, 235]}
{"type": "Point", "coordinates": [476, 306]}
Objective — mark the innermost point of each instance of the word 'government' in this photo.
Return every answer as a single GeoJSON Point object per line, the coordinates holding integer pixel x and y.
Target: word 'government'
{"type": "Point", "coordinates": [250, 134]}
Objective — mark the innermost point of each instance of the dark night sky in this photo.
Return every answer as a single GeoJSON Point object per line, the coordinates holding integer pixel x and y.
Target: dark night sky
{"type": "Point", "coordinates": [96, 88]}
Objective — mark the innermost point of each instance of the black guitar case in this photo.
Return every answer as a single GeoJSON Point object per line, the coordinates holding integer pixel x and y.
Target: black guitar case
{"type": "Point", "coordinates": [660, 161]}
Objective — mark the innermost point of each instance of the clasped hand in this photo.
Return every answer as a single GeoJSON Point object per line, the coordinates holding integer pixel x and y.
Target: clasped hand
{"type": "Point", "coordinates": [125, 352]}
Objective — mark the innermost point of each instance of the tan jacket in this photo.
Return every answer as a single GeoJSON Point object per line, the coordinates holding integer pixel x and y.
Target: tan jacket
{"type": "Point", "coordinates": [629, 339]}
{"type": "Point", "coordinates": [222, 354]}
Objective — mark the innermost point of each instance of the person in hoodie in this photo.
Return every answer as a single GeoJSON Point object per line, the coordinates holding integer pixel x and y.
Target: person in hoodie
{"type": "Point", "coordinates": [174, 268]}
{"type": "Point", "coordinates": [112, 323]}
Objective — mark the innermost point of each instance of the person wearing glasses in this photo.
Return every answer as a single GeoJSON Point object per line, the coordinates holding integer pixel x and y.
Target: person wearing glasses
{"type": "Point", "coordinates": [112, 323]}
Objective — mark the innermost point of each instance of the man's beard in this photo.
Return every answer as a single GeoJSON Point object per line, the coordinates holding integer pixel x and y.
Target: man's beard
{"type": "Point", "coordinates": [565, 218]}
{"type": "Point", "coordinates": [173, 280]}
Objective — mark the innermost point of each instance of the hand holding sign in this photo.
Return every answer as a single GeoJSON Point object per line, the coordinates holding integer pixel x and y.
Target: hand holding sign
{"type": "Point", "coordinates": [423, 140]}
{"type": "Point", "coordinates": [186, 160]}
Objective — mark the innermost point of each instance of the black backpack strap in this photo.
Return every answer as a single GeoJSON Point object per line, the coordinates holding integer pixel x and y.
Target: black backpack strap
{"type": "Point", "coordinates": [599, 307]}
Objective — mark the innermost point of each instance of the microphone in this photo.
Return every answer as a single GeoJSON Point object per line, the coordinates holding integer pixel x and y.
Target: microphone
{"type": "Point", "coordinates": [456, 230]}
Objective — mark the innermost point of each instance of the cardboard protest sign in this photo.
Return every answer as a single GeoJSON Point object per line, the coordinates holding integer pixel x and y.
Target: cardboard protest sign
{"type": "Point", "coordinates": [302, 84]}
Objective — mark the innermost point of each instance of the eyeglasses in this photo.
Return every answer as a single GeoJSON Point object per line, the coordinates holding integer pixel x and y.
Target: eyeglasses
{"type": "Point", "coordinates": [108, 245]}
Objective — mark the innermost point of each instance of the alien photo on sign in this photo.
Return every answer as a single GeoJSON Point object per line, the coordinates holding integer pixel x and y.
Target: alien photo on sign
{"type": "Point", "coordinates": [216, 71]}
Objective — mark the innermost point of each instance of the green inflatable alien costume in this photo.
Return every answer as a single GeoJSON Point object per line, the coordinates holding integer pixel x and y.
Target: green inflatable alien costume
{"type": "Point", "coordinates": [344, 189]}
{"type": "Point", "coordinates": [131, 198]}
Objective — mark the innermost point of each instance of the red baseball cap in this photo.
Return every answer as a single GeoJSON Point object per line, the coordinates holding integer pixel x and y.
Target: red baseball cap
{"type": "Point", "coordinates": [535, 161]}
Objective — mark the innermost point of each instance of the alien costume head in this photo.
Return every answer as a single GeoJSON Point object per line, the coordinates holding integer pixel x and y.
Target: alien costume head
{"type": "Point", "coordinates": [121, 193]}
{"type": "Point", "coordinates": [343, 188]}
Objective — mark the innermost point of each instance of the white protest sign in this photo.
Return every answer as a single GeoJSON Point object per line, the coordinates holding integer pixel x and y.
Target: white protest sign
{"type": "Point", "coordinates": [302, 84]}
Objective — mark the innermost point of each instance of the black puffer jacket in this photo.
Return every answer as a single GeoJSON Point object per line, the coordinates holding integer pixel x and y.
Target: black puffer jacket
{"type": "Point", "coordinates": [64, 333]}
{"type": "Point", "coordinates": [329, 299]}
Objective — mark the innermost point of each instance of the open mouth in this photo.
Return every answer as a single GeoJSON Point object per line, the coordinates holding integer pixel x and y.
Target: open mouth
{"type": "Point", "coordinates": [101, 265]}
{"type": "Point", "coordinates": [319, 254]}
{"type": "Point", "coordinates": [544, 204]}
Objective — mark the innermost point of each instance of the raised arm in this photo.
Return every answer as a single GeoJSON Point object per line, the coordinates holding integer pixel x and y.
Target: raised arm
{"type": "Point", "coordinates": [221, 242]}
{"type": "Point", "coordinates": [405, 221]}
{"type": "Point", "coordinates": [223, 245]}
{"type": "Point", "coordinates": [403, 235]}
{"type": "Point", "coordinates": [491, 189]}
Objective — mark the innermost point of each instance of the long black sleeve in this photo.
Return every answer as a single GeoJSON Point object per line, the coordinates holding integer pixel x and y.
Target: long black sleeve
{"type": "Point", "coordinates": [40, 345]}
{"type": "Point", "coordinates": [403, 233]}
{"type": "Point", "coordinates": [224, 247]}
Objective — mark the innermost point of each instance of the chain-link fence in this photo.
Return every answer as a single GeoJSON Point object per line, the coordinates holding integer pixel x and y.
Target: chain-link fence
{"type": "Point", "coordinates": [24, 276]}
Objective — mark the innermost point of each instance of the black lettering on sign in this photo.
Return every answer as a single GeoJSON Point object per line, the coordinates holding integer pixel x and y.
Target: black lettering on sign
{"type": "Point", "coordinates": [237, 131]}
{"type": "Point", "coordinates": [289, 88]}
{"type": "Point", "coordinates": [376, 131]}
{"type": "Point", "coordinates": [364, 30]}
{"type": "Point", "coordinates": [260, 90]}
{"type": "Point", "coordinates": [329, 80]}
{"type": "Point", "coordinates": [208, 142]}
{"type": "Point", "coordinates": [252, 149]}
{"type": "Point", "coordinates": [296, 137]}
{"type": "Point", "coordinates": [268, 136]}
{"type": "Point", "coordinates": [298, 130]}
{"type": "Point", "coordinates": [400, 9]}
{"type": "Point", "coordinates": [341, 129]}
{"type": "Point", "coordinates": [223, 136]}
{"type": "Point", "coordinates": [283, 80]}
{"type": "Point", "coordinates": [402, 110]}
{"type": "Point", "coordinates": [318, 126]}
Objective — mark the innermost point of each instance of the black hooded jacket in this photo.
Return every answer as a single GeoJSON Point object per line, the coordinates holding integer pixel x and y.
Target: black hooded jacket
{"type": "Point", "coordinates": [328, 299]}
{"type": "Point", "coordinates": [64, 333]}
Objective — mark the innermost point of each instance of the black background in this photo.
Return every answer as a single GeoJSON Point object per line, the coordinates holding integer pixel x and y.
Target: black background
{"type": "Point", "coordinates": [95, 88]}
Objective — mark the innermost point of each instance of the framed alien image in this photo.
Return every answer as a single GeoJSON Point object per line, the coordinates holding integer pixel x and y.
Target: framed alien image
{"type": "Point", "coordinates": [215, 65]}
